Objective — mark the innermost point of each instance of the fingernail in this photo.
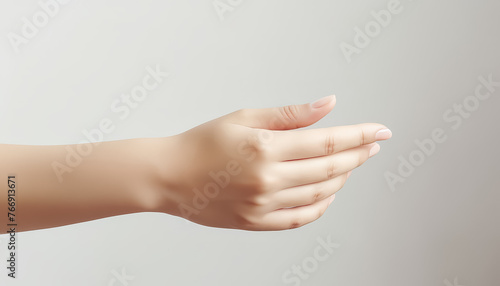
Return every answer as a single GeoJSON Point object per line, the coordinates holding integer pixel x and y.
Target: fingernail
{"type": "Point", "coordinates": [374, 150]}
{"type": "Point", "coordinates": [331, 199]}
{"type": "Point", "coordinates": [383, 134]}
{"type": "Point", "coordinates": [322, 101]}
{"type": "Point", "coordinates": [349, 174]}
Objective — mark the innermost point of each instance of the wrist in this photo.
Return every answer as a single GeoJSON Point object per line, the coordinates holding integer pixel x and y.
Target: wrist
{"type": "Point", "coordinates": [157, 157]}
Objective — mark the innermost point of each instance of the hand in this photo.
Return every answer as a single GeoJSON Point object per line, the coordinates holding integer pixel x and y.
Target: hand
{"type": "Point", "coordinates": [249, 170]}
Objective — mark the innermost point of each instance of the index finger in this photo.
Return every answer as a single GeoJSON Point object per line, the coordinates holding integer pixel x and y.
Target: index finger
{"type": "Point", "coordinates": [303, 144]}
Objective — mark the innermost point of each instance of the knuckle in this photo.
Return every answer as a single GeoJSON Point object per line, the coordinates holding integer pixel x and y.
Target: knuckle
{"type": "Point", "coordinates": [263, 183]}
{"type": "Point", "coordinates": [331, 170]}
{"type": "Point", "coordinates": [317, 195]}
{"type": "Point", "coordinates": [290, 113]}
{"type": "Point", "coordinates": [259, 201]}
{"type": "Point", "coordinates": [261, 149]}
{"type": "Point", "coordinates": [330, 145]}
{"type": "Point", "coordinates": [295, 223]}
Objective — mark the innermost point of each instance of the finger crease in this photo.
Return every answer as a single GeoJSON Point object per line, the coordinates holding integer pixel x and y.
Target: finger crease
{"type": "Point", "coordinates": [330, 145]}
{"type": "Point", "coordinates": [363, 139]}
{"type": "Point", "coordinates": [330, 173]}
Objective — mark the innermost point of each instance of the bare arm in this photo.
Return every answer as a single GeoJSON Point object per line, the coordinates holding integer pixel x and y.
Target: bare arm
{"type": "Point", "coordinates": [115, 178]}
{"type": "Point", "coordinates": [248, 170]}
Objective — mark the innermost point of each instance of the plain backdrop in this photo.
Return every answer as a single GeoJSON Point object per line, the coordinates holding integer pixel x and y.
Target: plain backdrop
{"type": "Point", "coordinates": [438, 226]}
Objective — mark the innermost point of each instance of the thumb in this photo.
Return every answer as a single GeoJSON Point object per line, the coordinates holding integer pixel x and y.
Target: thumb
{"type": "Point", "coordinates": [285, 117]}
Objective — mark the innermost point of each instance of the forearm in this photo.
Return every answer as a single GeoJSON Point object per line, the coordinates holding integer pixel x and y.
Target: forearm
{"type": "Point", "coordinates": [115, 178]}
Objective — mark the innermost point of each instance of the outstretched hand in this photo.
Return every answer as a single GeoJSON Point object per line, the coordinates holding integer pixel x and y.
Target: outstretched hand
{"type": "Point", "coordinates": [252, 170]}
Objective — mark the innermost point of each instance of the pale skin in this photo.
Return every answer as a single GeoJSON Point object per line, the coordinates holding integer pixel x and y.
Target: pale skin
{"type": "Point", "coordinates": [253, 169]}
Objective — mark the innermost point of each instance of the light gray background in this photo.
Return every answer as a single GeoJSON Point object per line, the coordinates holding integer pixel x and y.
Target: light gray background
{"type": "Point", "coordinates": [440, 225]}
